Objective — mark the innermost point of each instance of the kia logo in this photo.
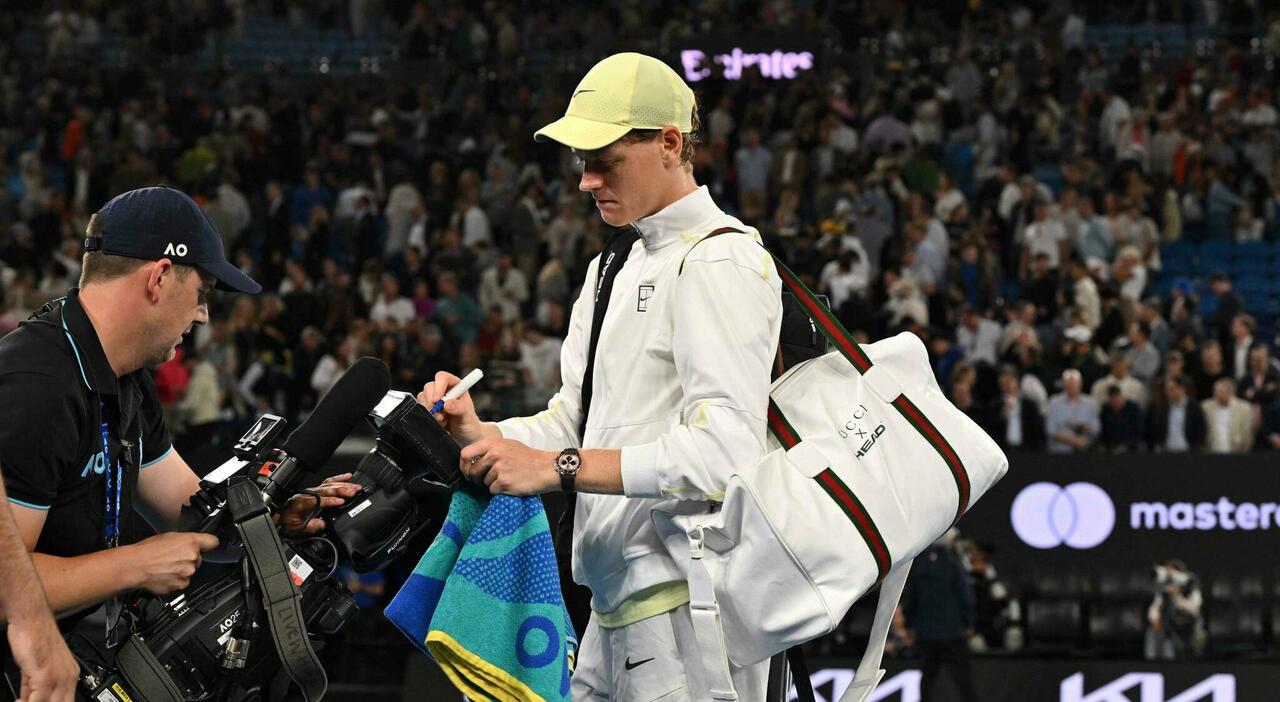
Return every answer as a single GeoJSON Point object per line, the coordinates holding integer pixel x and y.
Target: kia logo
{"type": "Point", "coordinates": [1080, 515]}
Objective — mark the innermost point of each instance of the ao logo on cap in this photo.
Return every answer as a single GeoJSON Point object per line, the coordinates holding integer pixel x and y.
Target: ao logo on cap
{"type": "Point", "coordinates": [1080, 515]}
{"type": "Point", "coordinates": [178, 250]}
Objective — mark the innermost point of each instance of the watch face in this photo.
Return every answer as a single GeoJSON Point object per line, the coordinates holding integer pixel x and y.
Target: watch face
{"type": "Point", "coordinates": [568, 463]}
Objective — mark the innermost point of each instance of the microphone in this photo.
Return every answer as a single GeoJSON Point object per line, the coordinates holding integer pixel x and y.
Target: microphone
{"type": "Point", "coordinates": [311, 445]}
{"type": "Point", "coordinates": [355, 394]}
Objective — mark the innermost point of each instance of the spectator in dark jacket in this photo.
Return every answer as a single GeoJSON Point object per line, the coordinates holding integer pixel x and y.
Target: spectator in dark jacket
{"type": "Point", "coordinates": [939, 608]}
{"type": "Point", "coordinates": [1121, 423]}
{"type": "Point", "coordinates": [1230, 304]}
{"type": "Point", "coordinates": [1177, 424]}
{"type": "Point", "coordinates": [1015, 420]}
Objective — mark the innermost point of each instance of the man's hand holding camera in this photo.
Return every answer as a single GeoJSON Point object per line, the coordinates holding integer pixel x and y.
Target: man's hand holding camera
{"type": "Point", "coordinates": [165, 562]}
{"type": "Point", "coordinates": [333, 492]}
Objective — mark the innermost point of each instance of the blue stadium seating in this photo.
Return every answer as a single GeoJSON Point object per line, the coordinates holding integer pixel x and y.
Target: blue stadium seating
{"type": "Point", "coordinates": [1216, 248]}
{"type": "Point", "coordinates": [1253, 250]}
{"type": "Point", "coordinates": [1178, 249]}
{"type": "Point", "coordinates": [1208, 306]}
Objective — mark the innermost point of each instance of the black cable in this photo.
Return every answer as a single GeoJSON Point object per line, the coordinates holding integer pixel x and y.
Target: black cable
{"type": "Point", "coordinates": [337, 556]}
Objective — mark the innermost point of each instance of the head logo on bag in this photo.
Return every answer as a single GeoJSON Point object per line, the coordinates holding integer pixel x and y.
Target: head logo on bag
{"type": "Point", "coordinates": [868, 439]}
{"type": "Point", "coordinates": [1080, 515]}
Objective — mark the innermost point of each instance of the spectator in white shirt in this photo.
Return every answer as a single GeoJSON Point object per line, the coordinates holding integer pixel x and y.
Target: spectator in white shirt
{"type": "Point", "coordinates": [540, 361]}
{"type": "Point", "coordinates": [332, 366]}
{"type": "Point", "coordinates": [1044, 235]}
{"type": "Point", "coordinates": [391, 310]}
{"type": "Point", "coordinates": [1228, 420]}
{"type": "Point", "coordinates": [1260, 113]}
{"type": "Point", "coordinates": [844, 277]}
{"type": "Point", "coordinates": [949, 202]}
{"type": "Point", "coordinates": [1072, 422]}
{"type": "Point", "coordinates": [504, 286]}
{"type": "Point", "coordinates": [753, 163]}
{"type": "Point", "coordinates": [977, 336]}
{"type": "Point", "coordinates": [1131, 387]}
{"type": "Point", "coordinates": [472, 221]}
{"type": "Point", "coordinates": [1116, 112]}
{"type": "Point", "coordinates": [1130, 274]}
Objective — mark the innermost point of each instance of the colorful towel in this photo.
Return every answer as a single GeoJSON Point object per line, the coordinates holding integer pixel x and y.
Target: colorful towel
{"type": "Point", "coordinates": [485, 601]}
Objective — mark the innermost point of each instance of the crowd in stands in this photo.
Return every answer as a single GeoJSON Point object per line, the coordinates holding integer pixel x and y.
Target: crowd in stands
{"type": "Point", "coordinates": [1029, 202]}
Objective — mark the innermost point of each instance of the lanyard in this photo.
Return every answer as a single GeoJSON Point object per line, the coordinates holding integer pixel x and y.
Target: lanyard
{"type": "Point", "coordinates": [111, 520]}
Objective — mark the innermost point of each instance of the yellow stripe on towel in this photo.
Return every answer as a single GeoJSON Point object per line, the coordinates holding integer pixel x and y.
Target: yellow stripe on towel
{"type": "Point", "coordinates": [477, 678]}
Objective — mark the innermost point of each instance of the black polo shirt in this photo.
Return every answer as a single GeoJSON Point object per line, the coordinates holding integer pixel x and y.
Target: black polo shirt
{"type": "Point", "coordinates": [56, 387]}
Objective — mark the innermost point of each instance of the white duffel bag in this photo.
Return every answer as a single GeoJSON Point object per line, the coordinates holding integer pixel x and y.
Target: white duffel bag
{"type": "Point", "coordinates": [869, 464]}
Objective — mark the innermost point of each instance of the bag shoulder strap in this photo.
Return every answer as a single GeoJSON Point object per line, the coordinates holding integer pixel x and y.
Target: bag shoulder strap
{"type": "Point", "coordinates": [718, 232]}
{"type": "Point", "coordinates": [713, 657]}
{"type": "Point", "coordinates": [869, 672]}
{"type": "Point", "coordinates": [612, 259]}
{"type": "Point", "coordinates": [577, 598]}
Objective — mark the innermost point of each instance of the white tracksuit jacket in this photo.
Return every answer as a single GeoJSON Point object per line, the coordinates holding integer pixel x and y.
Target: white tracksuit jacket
{"type": "Point", "coordinates": [681, 386]}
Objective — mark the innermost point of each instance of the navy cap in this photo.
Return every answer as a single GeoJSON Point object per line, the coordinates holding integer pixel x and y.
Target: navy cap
{"type": "Point", "coordinates": [161, 222]}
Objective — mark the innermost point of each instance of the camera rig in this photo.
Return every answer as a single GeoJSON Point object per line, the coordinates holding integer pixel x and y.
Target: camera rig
{"type": "Point", "coordinates": [275, 593]}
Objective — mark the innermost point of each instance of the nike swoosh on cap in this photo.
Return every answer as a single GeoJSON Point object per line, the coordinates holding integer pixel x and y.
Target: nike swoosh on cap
{"type": "Point", "coordinates": [631, 666]}
{"type": "Point", "coordinates": [576, 95]}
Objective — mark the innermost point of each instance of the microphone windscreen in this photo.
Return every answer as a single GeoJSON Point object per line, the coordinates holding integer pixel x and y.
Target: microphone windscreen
{"type": "Point", "coordinates": [355, 394]}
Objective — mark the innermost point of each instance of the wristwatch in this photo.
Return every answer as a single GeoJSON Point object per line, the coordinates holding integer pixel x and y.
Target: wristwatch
{"type": "Point", "coordinates": [567, 465]}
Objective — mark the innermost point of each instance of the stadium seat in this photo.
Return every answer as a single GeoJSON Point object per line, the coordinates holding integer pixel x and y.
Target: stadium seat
{"type": "Point", "coordinates": [1054, 623]}
{"type": "Point", "coordinates": [1177, 249]}
{"type": "Point", "coordinates": [1252, 285]}
{"type": "Point", "coordinates": [1262, 308]}
{"type": "Point", "coordinates": [1117, 628]}
{"type": "Point", "coordinates": [1144, 35]}
{"type": "Point", "coordinates": [1223, 589]}
{"type": "Point", "coordinates": [1215, 248]}
{"type": "Point", "coordinates": [1128, 586]}
{"type": "Point", "coordinates": [1235, 628]}
{"type": "Point", "coordinates": [1208, 306]}
{"type": "Point", "coordinates": [1194, 231]}
{"type": "Point", "coordinates": [1275, 625]}
{"type": "Point", "coordinates": [1251, 266]}
{"type": "Point", "coordinates": [1070, 584]}
{"type": "Point", "coordinates": [1111, 585]}
{"type": "Point", "coordinates": [1209, 263]}
{"type": "Point", "coordinates": [1251, 589]}
{"type": "Point", "coordinates": [1252, 250]}
{"type": "Point", "coordinates": [1051, 176]}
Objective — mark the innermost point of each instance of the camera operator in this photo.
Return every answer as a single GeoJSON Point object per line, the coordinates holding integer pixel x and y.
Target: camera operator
{"type": "Point", "coordinates": [1176, 629]}
{"type": "Point", "coordinates": [82, 436]}
{"type": "Point", "coordinates": [48, 670]}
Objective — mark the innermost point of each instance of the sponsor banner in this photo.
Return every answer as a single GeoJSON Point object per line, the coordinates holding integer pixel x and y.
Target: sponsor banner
{"type": "Point", "coordinates": [1046, 680]}
{"type": "Point", "coordinates": [733, 58]}
{"type": "Point", "coordinates": [1218, 513]}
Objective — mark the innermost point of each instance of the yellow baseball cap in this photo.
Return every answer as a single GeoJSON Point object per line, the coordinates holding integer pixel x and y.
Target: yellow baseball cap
{"type": "Point", "coordinates": [623, 92]}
